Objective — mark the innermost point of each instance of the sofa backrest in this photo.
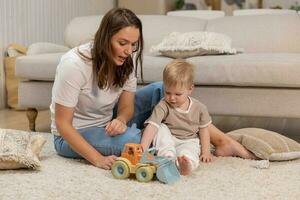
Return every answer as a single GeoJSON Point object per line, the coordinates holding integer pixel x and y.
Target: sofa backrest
{"type": "Point", "coordinates": [81, 30]}
{"type": "Point", "coordinates": [261, 33]}
{"type": "Point", "coordinates": [155, 27]}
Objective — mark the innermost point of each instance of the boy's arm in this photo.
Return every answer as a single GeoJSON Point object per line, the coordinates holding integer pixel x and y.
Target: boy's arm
{"type": "Point", "coordinates": [148, 135]}
{"type": "Point", "coordinates": [205, 145]}
{"type": "Point", "coordinates": [158, 115]}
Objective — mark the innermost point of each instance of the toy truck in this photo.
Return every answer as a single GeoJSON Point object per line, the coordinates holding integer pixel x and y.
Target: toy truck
{"type": "Point", "coordinates": [144, 165]}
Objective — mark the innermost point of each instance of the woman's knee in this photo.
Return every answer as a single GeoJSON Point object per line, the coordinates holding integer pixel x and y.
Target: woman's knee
{"type": "Point", "coordinates": [63, 149]}
{"type": "Point", "coordinates": [131, 135]}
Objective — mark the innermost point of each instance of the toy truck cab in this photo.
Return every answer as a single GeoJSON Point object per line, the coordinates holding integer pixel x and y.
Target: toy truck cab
{"type": "Point", "coordinates": [133, 153]}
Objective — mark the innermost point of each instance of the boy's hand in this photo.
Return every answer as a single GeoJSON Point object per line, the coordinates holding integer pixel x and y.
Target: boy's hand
{"type": "Point", "coordinates": [206, 157]}
{"type": "Point", "coordinates": [115, 127]}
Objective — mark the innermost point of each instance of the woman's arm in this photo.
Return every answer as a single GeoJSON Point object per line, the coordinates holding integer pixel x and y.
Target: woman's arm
{"type": "Point", "coordinates": [63, 120]}
{"type": "Point", "coordinates": [125, 113]}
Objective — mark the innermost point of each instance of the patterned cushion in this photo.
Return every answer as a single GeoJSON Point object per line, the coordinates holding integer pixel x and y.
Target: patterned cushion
{"type": "Point", "coordinates": [19, 149]}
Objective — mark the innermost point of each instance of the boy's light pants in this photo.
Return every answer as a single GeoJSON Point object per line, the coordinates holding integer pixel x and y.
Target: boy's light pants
{"type": "Point", "coordinates": [169, 146]}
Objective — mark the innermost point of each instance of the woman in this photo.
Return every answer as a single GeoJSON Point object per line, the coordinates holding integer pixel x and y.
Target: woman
{"type": "Point", "coordinates": [96, 77]}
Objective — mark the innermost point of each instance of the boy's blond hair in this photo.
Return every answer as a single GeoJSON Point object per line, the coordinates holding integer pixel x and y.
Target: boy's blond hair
{"type": "Point", "coordinates": [178, 72]}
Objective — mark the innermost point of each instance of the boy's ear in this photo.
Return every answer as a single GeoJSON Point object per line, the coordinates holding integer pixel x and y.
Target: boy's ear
{"type": "Point", "coordinates": [191, 88]}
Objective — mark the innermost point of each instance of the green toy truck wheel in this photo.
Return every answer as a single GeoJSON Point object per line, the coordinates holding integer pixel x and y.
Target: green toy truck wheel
{"type": "Point", "coordinates": [120, 170]}
{"type": "Point", "coordinates": [144, 174]}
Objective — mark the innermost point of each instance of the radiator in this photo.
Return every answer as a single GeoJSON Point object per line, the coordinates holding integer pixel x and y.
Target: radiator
{"type": "Point", "coordinates": [29, 21]}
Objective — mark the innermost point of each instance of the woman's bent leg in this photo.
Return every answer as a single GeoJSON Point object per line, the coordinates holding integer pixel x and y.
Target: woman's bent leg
{"type": "Point", "coordinates": [146, 99]}
{"type": "Point", "coordinates": [226, 146]}
{"type": "Point", "coordinates": [102, 142]}
{"type": "Point", "coordinates": [62, 148]}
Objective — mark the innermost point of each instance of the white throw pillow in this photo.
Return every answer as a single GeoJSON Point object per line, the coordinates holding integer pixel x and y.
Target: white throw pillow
{"type": "Point", "coordinates": [19, 149]}
{"type": "Point", "coordinates": [184, 45]}
{"type": "Point", "coordinates": [45, 47]}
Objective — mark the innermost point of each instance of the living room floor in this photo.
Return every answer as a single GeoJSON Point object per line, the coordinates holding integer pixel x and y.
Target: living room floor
{"type": "Point", "coordinates": [11, 119]}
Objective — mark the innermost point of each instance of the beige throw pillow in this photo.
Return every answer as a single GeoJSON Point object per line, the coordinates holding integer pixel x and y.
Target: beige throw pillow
{"type": "Point", "coordinates": [19, 149]}
{"type": "Point", "coordinates": [184, 45]}
{"type": "Point", "coordinates": [267, 145]}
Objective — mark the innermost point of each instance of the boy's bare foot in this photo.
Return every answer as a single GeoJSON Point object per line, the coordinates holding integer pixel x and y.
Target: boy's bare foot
{"type": "Point", "coordinates": [185, 166]}
{"type": "Point", "coordinates": [233, 148]}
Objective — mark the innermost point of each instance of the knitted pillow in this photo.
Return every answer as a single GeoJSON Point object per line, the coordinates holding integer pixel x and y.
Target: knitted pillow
{"type": "Point", "coordinates": [267, 145]}
{"type": "Point", "coordinates": [184, 45]}
{"type": "Point", "coordinates": [19, 149]}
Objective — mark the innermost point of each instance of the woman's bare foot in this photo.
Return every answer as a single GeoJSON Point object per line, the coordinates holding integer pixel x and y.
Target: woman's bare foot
{"type": "Point", "coordinates": [185, 166]}
{"type": "Point", "coordinates": [233, 148]}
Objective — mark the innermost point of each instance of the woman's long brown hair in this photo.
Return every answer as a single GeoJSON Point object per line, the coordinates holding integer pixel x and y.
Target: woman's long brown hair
{"type": "Point", "coordinates": [104, 68]}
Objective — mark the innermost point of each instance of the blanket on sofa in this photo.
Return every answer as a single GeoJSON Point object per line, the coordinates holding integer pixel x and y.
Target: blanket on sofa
{"type": "Point", "coordinates": [225, 178]}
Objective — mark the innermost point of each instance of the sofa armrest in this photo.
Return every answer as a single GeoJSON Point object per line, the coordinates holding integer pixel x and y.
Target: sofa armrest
{"type": "Point", "coordinates": [45, 47]}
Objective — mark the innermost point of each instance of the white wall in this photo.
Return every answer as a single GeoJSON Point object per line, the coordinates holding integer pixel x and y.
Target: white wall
{"type": "Point", "coordinates": [29, 21]}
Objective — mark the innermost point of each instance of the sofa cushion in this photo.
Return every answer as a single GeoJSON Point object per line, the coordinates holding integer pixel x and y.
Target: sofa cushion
{"type": "Point", "coordinates": [82, 29]}
{"type": "Point", "coordinates": [257, 70]}
{"type": "Point", "coordinates": [45, 47]}
{"type": "Point", "coordinates": [189, 44]}
{"type": "Point", "coordinates": [253, 69]}
{"type": "Point", "coordinates": [35, 94]}
{"type": "Point", "coordinates": [38, 67]}
{"type": "Point", "coordinates": [261, 33]}
{"type": "Point", "coordinates": [153, 67]}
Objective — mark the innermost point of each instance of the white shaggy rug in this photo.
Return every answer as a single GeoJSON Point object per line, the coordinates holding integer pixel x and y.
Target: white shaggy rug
{"type": "Point", "coordinates": [225, 178]}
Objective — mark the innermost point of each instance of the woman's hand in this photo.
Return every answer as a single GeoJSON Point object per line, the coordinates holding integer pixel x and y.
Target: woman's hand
{"type": "Point", "coordinates": [125, 112]}
{"type": "Point", "coordinates": [106, 162]}
{"type": "Point", "coordinates": [115, 127]}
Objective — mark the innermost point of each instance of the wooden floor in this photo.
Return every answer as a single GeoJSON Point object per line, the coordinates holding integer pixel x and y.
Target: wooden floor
{"type": "Point", "coordinates": [11, 119]}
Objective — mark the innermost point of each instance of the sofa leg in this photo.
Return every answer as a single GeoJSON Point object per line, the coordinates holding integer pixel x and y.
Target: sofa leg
{"type": "Point", "coordinates": [31, 114]}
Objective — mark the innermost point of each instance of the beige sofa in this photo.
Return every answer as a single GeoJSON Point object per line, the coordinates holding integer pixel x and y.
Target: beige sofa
{"type": "Point", "coordinates": [262, 81]}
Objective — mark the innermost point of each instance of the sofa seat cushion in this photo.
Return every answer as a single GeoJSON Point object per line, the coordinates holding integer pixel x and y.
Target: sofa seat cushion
{"type": "Point", "coordinates": [254, 70]}
{"type": "Point", "coordinates": [38, 67]}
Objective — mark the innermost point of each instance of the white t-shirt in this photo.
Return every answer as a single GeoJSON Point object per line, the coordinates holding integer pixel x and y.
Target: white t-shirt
{"type": "Point", "coordinates": [75, 87]}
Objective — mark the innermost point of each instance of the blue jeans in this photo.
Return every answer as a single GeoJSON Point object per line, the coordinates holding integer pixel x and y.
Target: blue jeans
{"type": "Point", "coordinates": [145, 100]}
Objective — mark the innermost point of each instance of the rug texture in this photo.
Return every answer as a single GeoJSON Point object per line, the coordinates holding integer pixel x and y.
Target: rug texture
{"type": "Point", "coordinates": [225, 178]}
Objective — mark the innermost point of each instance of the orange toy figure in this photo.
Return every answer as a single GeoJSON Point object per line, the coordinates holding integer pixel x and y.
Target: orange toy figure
{"type": "Point", "coordinates": [144, 165]}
